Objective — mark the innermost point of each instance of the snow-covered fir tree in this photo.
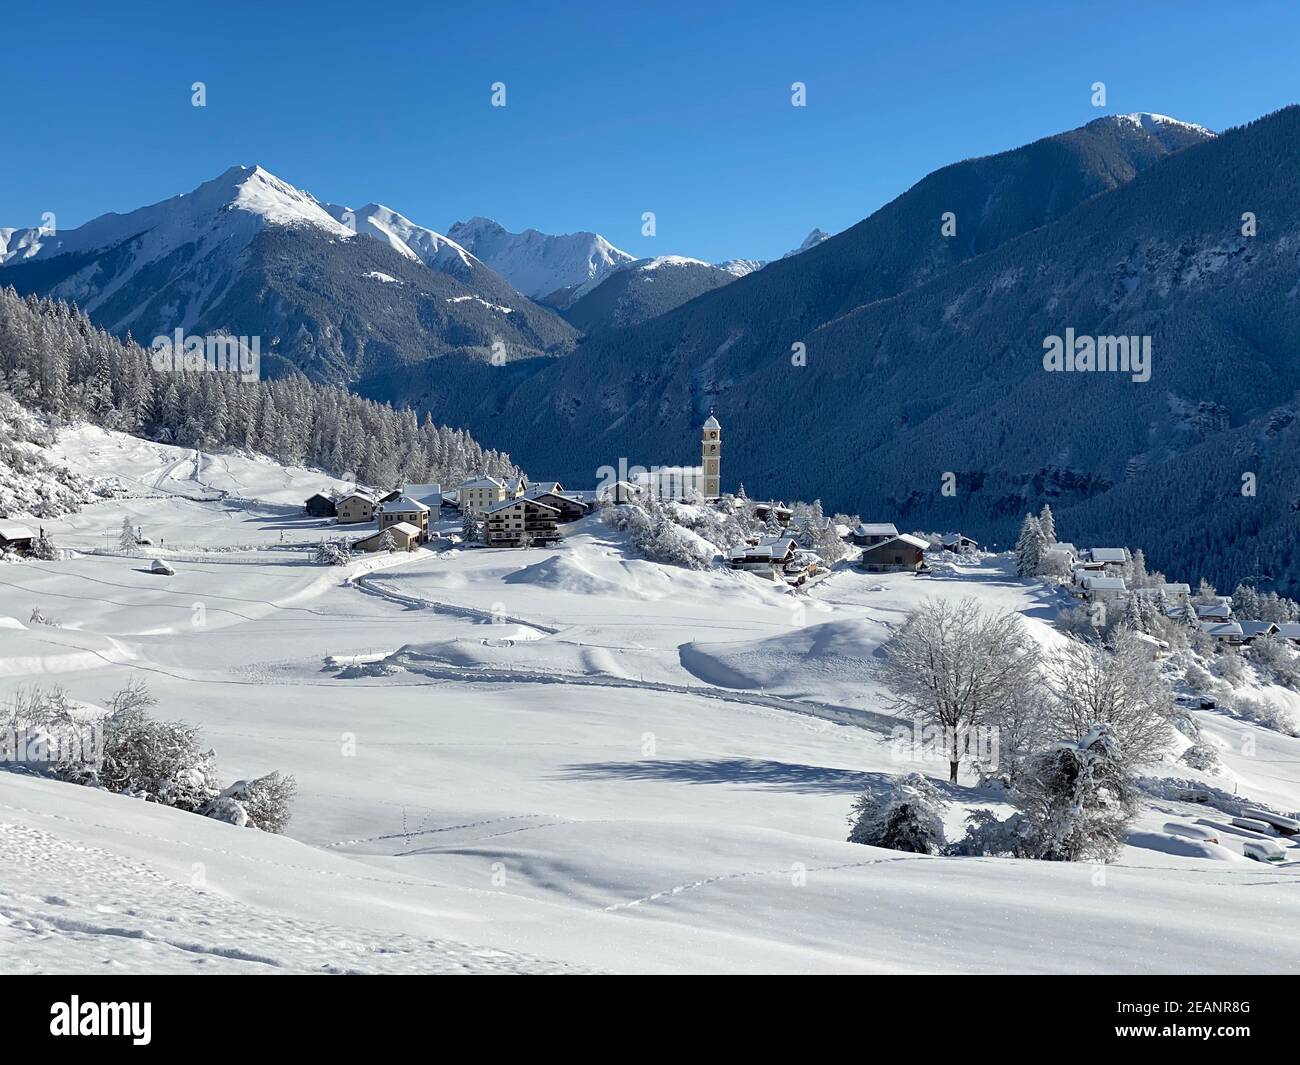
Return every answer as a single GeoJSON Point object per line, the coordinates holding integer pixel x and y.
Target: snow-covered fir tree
{"type": "Point", "coordinates": [1047, 522]}
{"type": "Point", "coordinates": [1029, 547]}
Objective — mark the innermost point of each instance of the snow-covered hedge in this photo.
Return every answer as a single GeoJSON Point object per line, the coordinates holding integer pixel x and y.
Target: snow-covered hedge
{"type": "Point", "coordinates": [124, 749]}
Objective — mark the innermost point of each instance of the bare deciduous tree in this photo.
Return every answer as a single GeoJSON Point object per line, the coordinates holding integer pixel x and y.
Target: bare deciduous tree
{"type": "Point", "coordinates": [1124, 691]}
{"type": "Point", "coordinates": [958, 667]}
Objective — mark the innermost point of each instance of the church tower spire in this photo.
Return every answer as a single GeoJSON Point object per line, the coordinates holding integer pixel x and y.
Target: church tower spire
{"type": "Point", "coordinates": [711, 456]}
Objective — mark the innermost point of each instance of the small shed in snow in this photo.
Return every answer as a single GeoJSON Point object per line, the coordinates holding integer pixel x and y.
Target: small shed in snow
{"type": "Point", "coordinates": [16, 537]}
{"type": "Point", "coordinates": [319, 506]}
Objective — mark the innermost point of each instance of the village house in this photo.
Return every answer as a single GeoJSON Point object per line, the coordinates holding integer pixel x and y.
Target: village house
{"type": "Point", "coordinates": [959, 544]}
{"type": "Point", "coordinates": [521, 522]}
{"type": "Point", "coordinates": [1214, 611]}
{"type": "Point", "coordinates": [868, 535]}
{"type": "Point", "coordinates": [320, 505]}
{"type": "Point", "coordinates": [1223, 631]}
{"type": "Point", "coordinates": [1175, 595]}
{"type": "Point", "coordinates": [1103, 589]}
{"type": "Point", "coordinates": [763, 555]}
{"type": "Point", "coordinates": [779, 511]}
{"type": "Point", "coordinates": [477, 495]}
{"type": "Point", "coordinates": [428, 494]}
{"type": "Point", "coordinates": [777, 557]}
{"type": "Point", "coordinates": [16, 537]}
{"type": "Point", "coordinates": [1060, 557]}
{"type": "Point", "coordinates": [356, 507]}
{"type": "Point", "coordinates": [1289, 630]}
{"type": "Point", "coordinates": [552, 494]}
{"type": "Point", "coordinates": [1253, 630]}
{"type": "Point", "coordinates": [403, 535]}
{"type": "Point", "coordinates": [1109, 559]}
{"type": "Point", "coordinates": [405, 510]}
{"type": "Point", "coordinates": [516, 487]}
{"type": "Point", "coordinates": [901, 554]}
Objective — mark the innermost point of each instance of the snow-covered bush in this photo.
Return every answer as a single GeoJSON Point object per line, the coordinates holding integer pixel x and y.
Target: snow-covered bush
{"type": "Point", "coordinates": [1277, 661]}
{"type": "Point", "coordinates": [907, 818]}
{"type": "Point", "coordinates": [1261, 711]}
{"type": "Point", "coordinates": [988, 837]}
{"type": "Point", "coordinates": [124, 749]}
{"type": "Point", "coordinates": [653, 532]}
{"type": "Point", "coordinates": [42, 730]}
{"type": "Point", "coordinates": [1075, 802]}
{"type": "Point", "coordinates": [260, 803]}
{"type": "Point", "coordinates": [332, 553]}
{"type": "Point", "coordinates": [1198, 679]}
{"type": "Point", "coordinates": [161, 761]}
{"type": "Point", "coordinates": [1231, 667]}
{"type": "Point", "coordinates": [1078, 800]}
{"type": "Point", "coordinates": [1203, 757]}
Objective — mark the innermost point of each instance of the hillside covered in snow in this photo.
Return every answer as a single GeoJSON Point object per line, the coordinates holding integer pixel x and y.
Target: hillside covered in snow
{"type": "Point", "coordinates": [559, 758]}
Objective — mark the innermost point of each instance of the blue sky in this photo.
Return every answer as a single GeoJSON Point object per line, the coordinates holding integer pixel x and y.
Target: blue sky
{"type": "Point", "coordinates": [613, 108]}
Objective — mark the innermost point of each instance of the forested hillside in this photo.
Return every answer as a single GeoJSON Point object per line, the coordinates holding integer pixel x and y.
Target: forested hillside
{"type": "Point", "coordinates": [54, 361]}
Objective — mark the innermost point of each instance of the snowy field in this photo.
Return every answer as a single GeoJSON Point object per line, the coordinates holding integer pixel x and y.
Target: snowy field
{"type": "Point", "coordinates": [559, 759]}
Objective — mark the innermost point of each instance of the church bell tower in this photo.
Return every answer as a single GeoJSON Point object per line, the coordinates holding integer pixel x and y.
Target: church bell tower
{"type": "Point", "coordinates": [711, 457]}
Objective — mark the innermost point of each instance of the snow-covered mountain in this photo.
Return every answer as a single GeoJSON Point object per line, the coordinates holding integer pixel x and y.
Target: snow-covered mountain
{"type": "Point", "coordinates": [404, 236]}
{"type": "Point", "coordinates": [250, 254]}
{"type": "Point", "coordinates": [810, 241]}
{"type": "Point", "coordinates": [541, 266]}
{"type": "Point", "coordinates": [646, 288]}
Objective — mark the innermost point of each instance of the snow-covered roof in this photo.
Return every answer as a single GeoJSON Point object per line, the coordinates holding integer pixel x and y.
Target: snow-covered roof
{"type": "Point", "coordinates": [1063, 545]}
{"type": "Point", "coordinates": [1213, 610]}
{"type": "Point", "coordinates": [404, 527]}
{"type": "Point", "coordinates": [1221, 628]}
{"type": "Point", "coordinates": [506, 503]}
{"type": "Point", "coordinates": [482, 482]}
{"type": "Point", "coordinates": [1105, 584]}
{"type": "Point", "coordinates": [423, 491]}
{"type": "Point", "coordinates": [955, 538]}
{"type": "Point", "coordinates": [358, 494]}
{"type": "Point", "coordinates": [1257, 628]}
{"type": "Point", "coordinates": [403, 504]}
{"type": "Point", "coordinates": [544, 488]}
{"type": "Point", "coordinates": [1177, 589]}
{"type": "Point", "coordinates": [902, 538]}
{"type": "Point", "coordinates": [712, 423]}
{"type": "Point", "coordinates": [1289, 629]}
{"type": "Point", "coordinates": [879, 528]}
{"type": "Point", "coordinates": [1108, 554]}
{"type": "Point", "coordinates": [777, 547]}
{"type": "Point", "coordinates": [12, 530]}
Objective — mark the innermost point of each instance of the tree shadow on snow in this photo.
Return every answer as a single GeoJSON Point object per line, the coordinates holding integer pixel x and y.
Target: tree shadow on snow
{"type": "Point", "coordinates": [788, 776]}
